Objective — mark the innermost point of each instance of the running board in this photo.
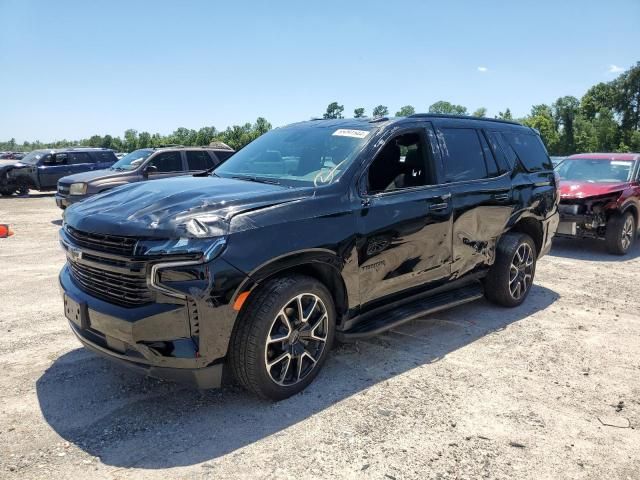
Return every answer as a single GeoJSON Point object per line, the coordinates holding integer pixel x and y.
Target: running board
{"type": "Point", "coordinates": [389, 319]}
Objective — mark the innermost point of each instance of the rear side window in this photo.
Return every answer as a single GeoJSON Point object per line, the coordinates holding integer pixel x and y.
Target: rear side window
{"type": "Point", "coordinates": [462, 154]}
{"type": "Point", "coordinates": [223, 154]}
{"type": "Point", "coordinates": [105, 157]}
{"type": "Point", "coordinates": [79, 158]}
{"type": "Point", "coordinates": [167, 162]}
{"type": "Point", "coordinates": [199, 160]}
{"type": "Point", "coordinates": [530, 150]}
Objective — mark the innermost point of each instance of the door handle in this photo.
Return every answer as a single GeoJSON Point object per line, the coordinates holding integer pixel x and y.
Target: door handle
{"type": "Point", "coordinates": [436, 207]}
{"type": "Point", "coordinates": [501, 196]}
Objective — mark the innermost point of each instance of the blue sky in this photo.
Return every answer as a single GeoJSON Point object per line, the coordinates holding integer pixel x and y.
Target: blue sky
{"type": "Point", "coordinates": [70, 69]}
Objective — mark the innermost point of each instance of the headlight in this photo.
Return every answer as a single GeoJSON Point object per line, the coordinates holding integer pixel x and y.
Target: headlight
{"type": "Point", "coordinates": [78, 189]}
{"type": "Point", "coordinates": [205, 248]}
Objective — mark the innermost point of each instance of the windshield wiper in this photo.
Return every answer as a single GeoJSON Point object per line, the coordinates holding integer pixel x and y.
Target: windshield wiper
{"type": "Point", "coordinates": [256, 179]}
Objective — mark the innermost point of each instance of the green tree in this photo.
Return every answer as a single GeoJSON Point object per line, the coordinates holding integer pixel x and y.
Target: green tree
{"type": "Point", "coordinates": [380, 111]}
{"type": "Point", "coordinates": [130, 139]}
{"type": "Point", "coordinates": [95, 141]}
{"type": "Point", "coordinates": [447, 108]}
{"type": "Point", "coordinates": [358, 112]}
{"type": "Point", "coordinates": [107, 140]}
{"type": "Point", "coordinates": [334, 110]}
{"type": "Point", "coordinates": [541, 118]}
{"type": "Point", "coordinates": [506, 115]}
{"type": "Point", "coordinates": [144, 140]}
{"type": "Point", "coordinates": [601, 95]}
{"type": "Point", "coordinates": [480, 112]}
{"type": "Point", "coordinates": [405, 111]}
{"type": "Point", "coordinates": [261, 126]}
{"type": "Point", "coordinates": [565, 111]}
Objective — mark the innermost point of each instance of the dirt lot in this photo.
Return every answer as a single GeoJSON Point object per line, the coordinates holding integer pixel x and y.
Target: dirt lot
{"type": "Point", "coordinates": [547, 390]}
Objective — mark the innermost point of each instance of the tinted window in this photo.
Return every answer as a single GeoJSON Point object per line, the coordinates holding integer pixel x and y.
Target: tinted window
{"type": "Point", "coordinates": [104, 156]}
{"type": "Point", "coordinates": [492, 167]}
{"type": "Point", "coordinates": [167, 162]}
{"type": "Point", "coordinates": [223, 154]}
{"type": "Point", "coordinates": [58, 159]}
{"type": "Point", "coordinates": [79, 158]}
{"type": "Point", "coordinates": [199, 160]}
{"type": "Point", "coordinates": [462, 154]}
{"type": "Point", "coordinates": [498, 152]}
{"type": "Point", "coordinates": [530, 150]}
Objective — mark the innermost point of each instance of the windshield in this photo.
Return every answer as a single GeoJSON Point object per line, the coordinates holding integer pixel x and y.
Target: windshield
{"type": "Point", "coordinates": [595, 170]}
{"type": "Point", "coordinates": [34, 157]}
{"type": "Point", "coordinates": [132, 160]}
{"type": "Point", "coordinates": [301, 155]}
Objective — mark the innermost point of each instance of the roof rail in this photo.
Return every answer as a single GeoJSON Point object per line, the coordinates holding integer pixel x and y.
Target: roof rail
{"type": "Point", "coordinates": [379, 119]}
{"type": "Point", "coordinates": [170, 145]}
{"type": "Point", "coordinates": [465, 117]}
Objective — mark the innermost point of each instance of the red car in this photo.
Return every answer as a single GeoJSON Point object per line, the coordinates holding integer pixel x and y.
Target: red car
{"type": "Point", "coordinates": [600, 198]}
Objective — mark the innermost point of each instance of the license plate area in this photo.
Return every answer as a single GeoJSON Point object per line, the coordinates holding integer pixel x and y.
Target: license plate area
{"type": "Point", "coordinates": [76, 312]}
{"type": "Point", "coordinates": [567, 228]}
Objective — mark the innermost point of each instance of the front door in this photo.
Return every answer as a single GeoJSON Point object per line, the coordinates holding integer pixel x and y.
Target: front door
{"type": "Point", "coordinates": [405, 221]}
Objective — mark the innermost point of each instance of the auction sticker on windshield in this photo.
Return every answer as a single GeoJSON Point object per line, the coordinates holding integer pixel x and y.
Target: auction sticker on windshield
{"type": "Point", "coordinates": [345, 132]}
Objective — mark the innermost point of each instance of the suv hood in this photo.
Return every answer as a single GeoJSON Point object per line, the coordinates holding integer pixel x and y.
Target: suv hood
{"type": "Point", "coordinates": [569, 189]}
{"type": "Point", "coordinates": [85, 177]}
{"type": "Point", "coordinates": [6, 165]}
{"type": "Point", "coordinates": [161, 208]}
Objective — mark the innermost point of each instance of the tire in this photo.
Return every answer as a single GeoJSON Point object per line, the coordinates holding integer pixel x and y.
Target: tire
{"type": "Point", "coordinates": [621, 233]}
{"type": "Point", "coordinates": [510, 279]}
{"type": "Point", "coordinates": [7, 192]}
{"type": "Point", "coordinates": [22, 188]}
{"type": "Point", "coordinates": [269, 328]}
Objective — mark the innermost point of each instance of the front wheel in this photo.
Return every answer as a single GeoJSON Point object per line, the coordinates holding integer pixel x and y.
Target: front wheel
{"type": "Point", "coordinates": [511, 276]}
{"type": "Point", "coordinates": [7, 192]}
{"type": "Point", "coordinates": [283, 336]}
{"type": "Point", "coordinates": [620, 233]}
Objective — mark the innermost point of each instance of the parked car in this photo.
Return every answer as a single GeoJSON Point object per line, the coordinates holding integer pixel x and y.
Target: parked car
{"type": "Point", "coordinates": [317, 230]}
{"type": "Point", "coordinates": [41, 169]}
{"type": "Point", "coordinates": [140, 165]}
{"type": "Point", "coordinates": [600, 198]}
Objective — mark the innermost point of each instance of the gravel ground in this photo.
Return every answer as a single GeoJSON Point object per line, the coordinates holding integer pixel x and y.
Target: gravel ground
{"type": "Point", "coordinates": [548, 390]}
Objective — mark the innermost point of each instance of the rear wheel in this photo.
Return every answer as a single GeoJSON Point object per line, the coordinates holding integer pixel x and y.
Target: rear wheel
{"type": "Point", "coordinates": [511, 276]}
{"type": "Point", "coordinates": [283, 336]}
{"type": "Point", "coordinates": [620, 233]}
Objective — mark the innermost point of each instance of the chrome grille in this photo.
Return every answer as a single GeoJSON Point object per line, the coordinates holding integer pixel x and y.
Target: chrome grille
{"type": "Point", "coordinates": [129, 290]}
{"type": "Point", "coordinates": [103, 243]}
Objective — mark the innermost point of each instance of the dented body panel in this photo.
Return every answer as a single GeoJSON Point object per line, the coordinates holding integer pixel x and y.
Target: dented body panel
{"type": "Point", "coordinates": [172, 256]}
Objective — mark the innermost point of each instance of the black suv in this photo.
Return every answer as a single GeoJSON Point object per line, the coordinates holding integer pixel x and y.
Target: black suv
{"type": "Point", "coordinates": [41, 169]}
{"type": "Point", "coordinates": [319, 230]}
{"type": "Point", "coordinates": [140, 165]}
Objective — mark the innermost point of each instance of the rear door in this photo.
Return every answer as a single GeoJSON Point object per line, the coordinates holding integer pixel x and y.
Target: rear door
{"type": "Point", "coordinates": [404, 239]}
{"type": "Point", "coordinates": [81, 162]}
{"type": "Point", "coordinates": [480, 195]}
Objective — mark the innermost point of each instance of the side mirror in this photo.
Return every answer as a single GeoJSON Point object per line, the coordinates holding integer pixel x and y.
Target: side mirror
{"type": "Point", "coordinates": [150, 169]}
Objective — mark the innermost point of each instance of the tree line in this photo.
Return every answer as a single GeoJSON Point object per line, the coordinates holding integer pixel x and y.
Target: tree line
{"type": "Point", "coordinates": [605, 119]}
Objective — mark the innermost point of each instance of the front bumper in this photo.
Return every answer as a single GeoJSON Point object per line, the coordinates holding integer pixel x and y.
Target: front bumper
{"type": "Point", "coordinates": [581, 226]}
{"type": "Point", "coordinates": [63, 201]}
{"type": "Point", "coordinates": [156, 339]}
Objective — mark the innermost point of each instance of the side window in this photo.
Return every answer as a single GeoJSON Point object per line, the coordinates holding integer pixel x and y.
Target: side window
{"type": "Point", "coordinates": [402, 163]}
{"type": "Point", "coordinates": [492, 166]}
{"type": "Point", "coordinates": [530, 150]}
{"type": "Point", "coordinates": [79, 158]}
{"type": "Point", "coordinates": [498, 152]}
{"type": "Point", "coordinates": [167, 162]}
{"type": "Point", "coordinates": [198, 160]}
{"type": "Point", "coordinates": [462, 154]}
{"type": "Point", "coordinates": [59, 159]}
{"type": "Point", "coordinates": [104, 157]}
{"type": "Point", "coordinates": [223, 154]}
